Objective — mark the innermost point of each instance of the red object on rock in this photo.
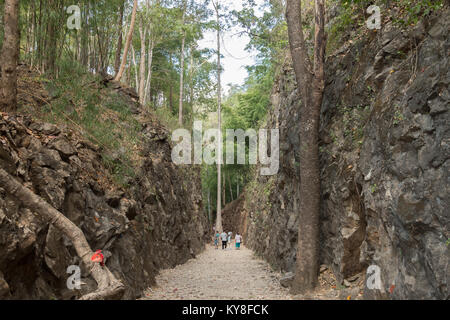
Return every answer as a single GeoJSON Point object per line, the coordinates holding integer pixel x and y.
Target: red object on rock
{"type": "Point", "coordinates": [98, 257]}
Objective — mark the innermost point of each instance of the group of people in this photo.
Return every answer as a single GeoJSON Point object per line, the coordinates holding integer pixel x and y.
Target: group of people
{"type": "Point", "coordinates": [226, 239]}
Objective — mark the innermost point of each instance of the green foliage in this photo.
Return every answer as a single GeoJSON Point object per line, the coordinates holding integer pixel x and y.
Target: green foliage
{"type": "Point", "coordinates": [103, 117]}
{"type": "Point", "coordinates": [47, 43]}
{"type": "Point", "coordinates": [246, 107]}
{"type": "Point", "coordinates": [2, 29]}
{"type": "Point", "coordinates": [268, 34]}
{"type": "Point", "coordinates": [398, 117]}
{"type": "Point", "coordinates": [413, 10]}
{"type": "Point", "coordinates": [354, 121]}
{"type": "Point", "coordinates": [166, 116]}
{"type": "Point", "coordinates": [352, 15]}
{"type": "Point", "coordinates": [364, 3]}
{"type": "Point", "coordinates": [343, 22]}
{"type": "Point", "coordinates": [268, 187]}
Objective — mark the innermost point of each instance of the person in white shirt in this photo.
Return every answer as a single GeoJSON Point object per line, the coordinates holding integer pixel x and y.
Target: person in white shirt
{"type": "Point", "coordinates": [238, 240]}
{"type": "Point", "coordinates": [224, 238]}
{"type": "Point", "coordinates": [229, 238]}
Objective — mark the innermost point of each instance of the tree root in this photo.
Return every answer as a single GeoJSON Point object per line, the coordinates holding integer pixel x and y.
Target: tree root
{"type": "Point", "coordinates": [108, 287]}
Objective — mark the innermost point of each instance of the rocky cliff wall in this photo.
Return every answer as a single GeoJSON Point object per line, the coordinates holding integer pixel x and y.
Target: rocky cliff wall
{"type": "Point", "coordinates": [157, 223]}
{"type": "Point", "coordinates": [384, 144]}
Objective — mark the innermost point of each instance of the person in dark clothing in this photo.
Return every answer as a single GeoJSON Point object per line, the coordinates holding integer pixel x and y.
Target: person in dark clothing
{"type": "Point", "coordinates": [224, 238]}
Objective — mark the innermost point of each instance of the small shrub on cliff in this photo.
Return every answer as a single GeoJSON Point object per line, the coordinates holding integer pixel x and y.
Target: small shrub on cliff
{"type": "Point", "coordinates": [411, 11]}
{"type": "Point", "coordinates": [103, 116]}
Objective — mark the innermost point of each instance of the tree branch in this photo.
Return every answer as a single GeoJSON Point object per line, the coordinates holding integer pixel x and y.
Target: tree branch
{"type": "Point", "coordinates": [107, 285]}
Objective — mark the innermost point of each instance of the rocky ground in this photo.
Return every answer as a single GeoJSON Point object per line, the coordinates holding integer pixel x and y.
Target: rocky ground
{"type": "Point", "coordinates": [235, 275]}
{"type": "Point", "coordinates": [219, 274]}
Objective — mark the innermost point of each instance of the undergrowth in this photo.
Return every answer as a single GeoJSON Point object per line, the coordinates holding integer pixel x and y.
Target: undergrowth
{"type": "Point", "coordinates": [78, 100]}
{"type": "Point", "coordinates": [353, 15]}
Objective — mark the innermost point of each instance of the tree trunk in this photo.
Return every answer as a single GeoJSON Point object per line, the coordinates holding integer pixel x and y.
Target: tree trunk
{"type": "Point", "coordinates": [231, 187]}
{"type": "Point", "coordinates": [191, 79]}
{"type": "Point", "coordinates": [107, 285]}
{"type": "Point", "coordinates": [171, 98]}
{"type": "Point", "coordinates": [85, 39]}
{"type": "Point", "coordinates": [9, 57]}
{"type": "Point", "coordinates": [209, 205]}
{"type": "Point", "coordinates": [148, 83]}
{"type": "Point", "coordinates": [93, 54]}
{"type": "Point", "coordinates": [127, 43]}
{"type": "Point", "coordinates": [33, 34]}
{"type": "Point", "coordinates": [77, 46]}
{"type": "Point", "coordinates": [29, 32]}
{"type": "Point", "coordinates": [128, 75]}
{"type": "Point", "coordinates": [311, 85]}
{"type": "Point", "coordinates": [180, 104]}
{"type": "Point", "coordinates": [143, 35]}
{"type": "Point", "coordinates": [119, 41]}
{"type": "Point", "coordinates": [40, 40]}
{"type": "Point", "coordinates": [101, 50]}
{"type": "Point", "coordinates": [224, 190]}
{"type": "Point", "coordinates": [51, 40]}
{"type": "Point", "coordinates": [219, 114]}
{"type": "Point", "coordinates": [135, 67]}
{"type": "Point", "coordinates": [183, 41]}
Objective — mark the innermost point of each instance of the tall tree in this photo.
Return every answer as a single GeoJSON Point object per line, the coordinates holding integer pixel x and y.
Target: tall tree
{"type": "Point", "coordinates": [142, 34]}
{"type": "Point", "coordinates": [147, 89]}
{"type": "Point", "coordinates": [209, 205]}
{"type": "Point", "coordinates": [158, 24]}
{"type": "Point", "coordinates": [9, 57]}
{"type": "Point", "coordinates": [191, 82]}
{"type": "Point", "coordinates": [133, 57]}
{"type": "Point", "coordinates": [310, 80]}
{"type": "Point", "coordinates": [183, 41]}
{"type": "Point", "coordinates": [219, 114]}
{"type": "Point", "coordinates": [128, 42]}
{"type": "Point", "coordinates": [231, 187]}
{"type": "Point", "coordinates": [119, 40]}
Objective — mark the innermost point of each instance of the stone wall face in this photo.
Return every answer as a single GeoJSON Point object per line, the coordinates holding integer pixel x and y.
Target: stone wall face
{"type": "Point", "coordinates": [384, 156]}
{"type": "Point", "coordinates": [157, 223]}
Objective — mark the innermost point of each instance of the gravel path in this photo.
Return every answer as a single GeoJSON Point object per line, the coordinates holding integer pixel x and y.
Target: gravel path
{"type": "Point", "coordinates": [219, 274]}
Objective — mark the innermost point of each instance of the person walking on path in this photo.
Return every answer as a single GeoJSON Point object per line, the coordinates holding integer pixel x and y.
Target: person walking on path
{"type": "Point", "coordinates": [224, 237]}
{"type": "Point", "coordinates": [238, 240]}
{"type": "Point", "coordinates": [216, 240]}
{"type": "Point", "coordinates": [229, 238]}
